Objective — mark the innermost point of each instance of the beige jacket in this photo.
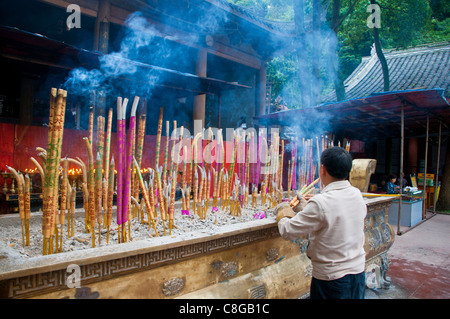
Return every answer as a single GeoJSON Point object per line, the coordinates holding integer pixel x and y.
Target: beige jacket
{"type": "Point", "coordinates": [335, 221]}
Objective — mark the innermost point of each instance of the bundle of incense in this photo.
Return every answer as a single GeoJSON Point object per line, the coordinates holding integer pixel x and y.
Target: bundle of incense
{"type": "Point", "coordinates": [120, 156]}
{"type": "Point", "coordinates": [91, 189]}
{"type": "Point", "coordinates": [106, 166]}
{"type": "Point", "coordinates": [54, 143]}
{"type": "Point", "coordinates": [20, 191]}
{"type": "Point", "coordinates": [110, 197]}
{"type": "Point", "coordinates": [126, 206]}
{"type": "Point", "coordinates": [304, 191]}
{"type": "Point", "coordinates": [151, 216]}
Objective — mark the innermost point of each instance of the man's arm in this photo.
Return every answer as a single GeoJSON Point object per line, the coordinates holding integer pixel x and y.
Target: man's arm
{"type": "Point", "coordinates": [307, 221]}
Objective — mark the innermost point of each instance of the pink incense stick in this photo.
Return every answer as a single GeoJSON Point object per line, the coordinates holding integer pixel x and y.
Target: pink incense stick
{"type": "Point", "coordinates": [119, 161]}
{"type": "Point", "coordinates": [258, 160]}
{"type": "Point", "coordinates": [120, 150]}
{"type": "Point", "coordinates": [129, 159]}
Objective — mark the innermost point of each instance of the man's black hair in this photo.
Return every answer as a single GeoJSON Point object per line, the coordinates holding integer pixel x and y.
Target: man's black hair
{"type": "Point", "coordinates": [337, 162]}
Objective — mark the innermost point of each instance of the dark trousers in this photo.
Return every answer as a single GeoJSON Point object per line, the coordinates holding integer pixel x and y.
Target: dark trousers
{"type": "Point", "coordinates": [347, 287]}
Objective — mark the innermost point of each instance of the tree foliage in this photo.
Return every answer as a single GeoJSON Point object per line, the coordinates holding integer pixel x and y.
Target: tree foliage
{"type": "Point", "coordinates": [403, 24]}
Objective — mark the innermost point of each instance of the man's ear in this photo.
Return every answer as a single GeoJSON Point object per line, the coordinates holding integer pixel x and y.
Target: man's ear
{"type": "Point", "coordinates": [322, 170]}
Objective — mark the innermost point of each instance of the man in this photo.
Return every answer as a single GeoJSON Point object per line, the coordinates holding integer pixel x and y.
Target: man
{"type": "Point", "coordinates": [335, 221]}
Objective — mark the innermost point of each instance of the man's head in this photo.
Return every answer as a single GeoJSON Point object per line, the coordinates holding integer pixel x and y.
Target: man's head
{"type": "Point", "coordinates": [337, 162]}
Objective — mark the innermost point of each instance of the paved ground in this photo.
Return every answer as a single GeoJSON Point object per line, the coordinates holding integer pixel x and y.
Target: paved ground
{"type": "Point", "coordinates": [420, 262]}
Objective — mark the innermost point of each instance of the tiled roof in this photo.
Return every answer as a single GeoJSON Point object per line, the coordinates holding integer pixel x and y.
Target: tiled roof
{"type": "Point", "coordinates": [423, 67]}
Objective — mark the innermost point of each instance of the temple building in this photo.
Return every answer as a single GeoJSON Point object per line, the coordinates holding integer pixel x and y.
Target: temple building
{"type": "Point", "coordinates": [198, 60]}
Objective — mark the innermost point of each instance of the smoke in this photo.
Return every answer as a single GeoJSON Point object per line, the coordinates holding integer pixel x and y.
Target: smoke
{"type": "Point", "coordinates": [303, 86]}
{"type": "Point", "coordinates": [138, 35]}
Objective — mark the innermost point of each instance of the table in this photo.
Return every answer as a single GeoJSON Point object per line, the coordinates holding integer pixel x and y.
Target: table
{"type": "Point", "coordinates": [429, 195]}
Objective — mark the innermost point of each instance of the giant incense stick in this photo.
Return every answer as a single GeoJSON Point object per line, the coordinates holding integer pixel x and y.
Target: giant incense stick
{"type": "Point", "coordinates": [110, 197]}
{"type": "Point", "coordinates": [106, 160]}
{"type": "Point", "coordinates": [98, 193]}
{"type": "Point", "coordinates": [27, 208]}
{"type": "Point", "coordinates": [151, 216]}
{"type": "Point", "coordinates": [129, 161]}
{"type": "Point", "coordinates": [91, 188]}
{"type": "Point", "coordinates": [158, 137]}
{"type": "Point", "coordinates": [98, 172]}
{"type": "Point", "coordinates": [139, 148]}
{"type": "Point", "coordinates": [166, 152]}
{"type": "Point", "coordinates": [62, 208]}
{"type": "Point", "coordinates": [56, 126]}
{"type": "Point", "coordinates": [21, 200]}
{"type": "Point", "coordinates": [120, 151]}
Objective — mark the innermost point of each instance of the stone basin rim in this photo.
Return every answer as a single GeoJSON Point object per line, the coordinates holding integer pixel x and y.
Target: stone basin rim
{"type": "Point", "coordinates": [11, 267]}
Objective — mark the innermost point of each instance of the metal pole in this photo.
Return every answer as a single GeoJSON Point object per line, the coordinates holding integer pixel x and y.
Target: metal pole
{"type": "Point", "coordinates": [402, 141]}
{"type": "Point", "coordinates": [437, 168]}
{"type": "Point", "coordinates": [424, 211]}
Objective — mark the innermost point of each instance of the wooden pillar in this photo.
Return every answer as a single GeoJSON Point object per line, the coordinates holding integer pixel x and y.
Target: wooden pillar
{"type": "Point", "coordinates": [26, 100]}
{"type": "Point", "coordinates": [101, 31]}
{"type": "Point", "coordinates": [437, 168]}
{"type": "Point", "coordinates": [424, 211]}
{"type": "Point", "coordinates": [412, 154]}
{"type": "Point", "coordinates": [200, 100]}
{"type": "Point", "coordinates": [402, 133]}
{"type": "Point", "coordinates": [260, 105]}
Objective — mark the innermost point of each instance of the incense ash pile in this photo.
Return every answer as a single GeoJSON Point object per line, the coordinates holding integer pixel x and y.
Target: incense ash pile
{"type": "Point", "coordinates": [186, 227]}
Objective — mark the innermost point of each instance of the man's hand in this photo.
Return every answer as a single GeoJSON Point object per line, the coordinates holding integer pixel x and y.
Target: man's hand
{"type": "Point", "coordinates": [284, 210]}
{"type": "Point", "coordinates": [300, 202]}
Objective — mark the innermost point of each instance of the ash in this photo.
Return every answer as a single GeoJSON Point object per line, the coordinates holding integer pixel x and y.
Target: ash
{"type": "Point", "coordinates": [185, 227]}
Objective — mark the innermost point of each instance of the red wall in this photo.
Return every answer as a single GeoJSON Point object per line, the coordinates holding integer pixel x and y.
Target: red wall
{"type": "Point", "coordinates": [18, 143]}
